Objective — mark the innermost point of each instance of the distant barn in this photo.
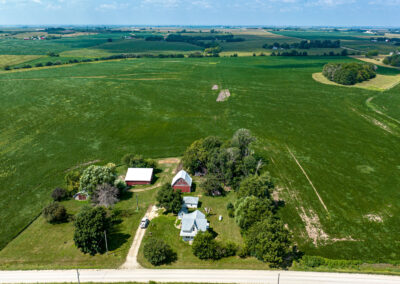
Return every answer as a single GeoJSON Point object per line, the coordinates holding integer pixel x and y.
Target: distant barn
{"type": "Point", "coordinates": [135, 176]}
{"type": "Point", "coordinates": [182, 181]}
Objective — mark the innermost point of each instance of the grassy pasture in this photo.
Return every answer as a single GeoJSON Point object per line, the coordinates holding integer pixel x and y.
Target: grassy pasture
{"type": "Point", "coordinates": [10, 60]}
{"type": "Point", "coordinates": [54, 119]}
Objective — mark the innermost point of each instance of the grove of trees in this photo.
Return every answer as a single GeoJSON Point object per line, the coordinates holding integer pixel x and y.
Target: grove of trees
{"type": "Point", "coordinates": [349, 73]}
{"type": "Point", "coordinates": [305, 44]}
{"type": "Point", "coordinates": [393, 60]}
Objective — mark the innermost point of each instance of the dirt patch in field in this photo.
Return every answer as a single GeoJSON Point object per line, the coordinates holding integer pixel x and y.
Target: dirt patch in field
{"type": "Point", "coordinates": [313, 226]}
{"type": "Point", "coordinates": [169, 161]}
{"type": "Point", "coordinates": [374, 218]}
{"type": "Point", "coordinates": [214, 88]}
{"type": "Point", "coordinates": [223, 95]}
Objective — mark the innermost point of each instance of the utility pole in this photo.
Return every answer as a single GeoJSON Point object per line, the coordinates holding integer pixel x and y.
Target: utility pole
{"type": "Point", "coordinates": [77, 274]}
{"type": "Point", "coordinates": [279, 275]}
{"type": "Point", "coordinates": [105, 239]}
{"type": "Point", "coordinates": [137, 204]}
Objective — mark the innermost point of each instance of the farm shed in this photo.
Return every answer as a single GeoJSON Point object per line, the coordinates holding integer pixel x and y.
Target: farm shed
{"type": "Point", "coordinates": [190, 201]}
{"type": "Point", "coordinates": [135, 176]}
{"type": "Point", "coordinates": [182, 181]}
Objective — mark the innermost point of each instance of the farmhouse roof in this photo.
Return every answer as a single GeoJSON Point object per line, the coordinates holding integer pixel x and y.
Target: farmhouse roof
{"type": "Point", "coordinates": [184, 175]}
{"type": "Point", "coordinates": [190, 200]}
{"type": "Point", "coordinates": [193, 222]}
{"type": "Point", "coordinates": [139, 174]}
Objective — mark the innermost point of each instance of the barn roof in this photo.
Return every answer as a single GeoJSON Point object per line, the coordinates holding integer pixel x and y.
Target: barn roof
{"type": "Point", "coordinates": [139, 174]}
{"type": "Point", "coordinates": [184, 175]}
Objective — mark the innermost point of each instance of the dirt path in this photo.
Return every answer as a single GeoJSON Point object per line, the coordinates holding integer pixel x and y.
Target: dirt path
{"type": "Point", "coordinates": [131, 259]}
{"type": "Point", "coordinates": [309, 180]}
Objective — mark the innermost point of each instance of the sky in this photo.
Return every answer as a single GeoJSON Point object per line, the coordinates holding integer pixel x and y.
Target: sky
{"type": "Point", "coordinates": [201, 12]}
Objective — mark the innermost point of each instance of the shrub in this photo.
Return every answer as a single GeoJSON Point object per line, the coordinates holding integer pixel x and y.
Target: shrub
{"type": "Point", "coordinates": [120, 184]}
{"type": "Point", "coordinates": [231, 210]}
{"type": "Point", "coordinates": [59, 194]}
{"type": "Point", "coordinates": [372, 53]}
{"type": "Point", "coordinates": [39, 64]}
{"type": "Point", "coordinates": [55, 213]}
{"type": "Point", "coordinates": [90, 225]}
{"type": "Point", "coordinates": [157, 252]}
{"type": "Point", "coordinates": [7, 67]}
{"type": "Point", "coordinates": [49, 63]}
{"type": "Point", "coordinates": [72, 179]}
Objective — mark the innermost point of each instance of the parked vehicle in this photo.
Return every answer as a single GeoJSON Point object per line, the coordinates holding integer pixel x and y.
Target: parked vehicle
{"type": "Point", "coordinates": [144, 223]}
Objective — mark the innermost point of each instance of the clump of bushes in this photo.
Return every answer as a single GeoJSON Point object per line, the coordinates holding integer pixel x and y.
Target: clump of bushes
{"type": "Point", "coordinates": [372, 53]}
{"type": "Point", "coordinates": [309, 261]}
{"type": "Point", "coordinates": [169, 199]}
{"type": "Point", "coordinates": [157, 252]}
{"type": "Point", "coordinates": [206, 247]}
{"type": "Point", "coordinates": [59, 194]}
{"type": "Point", "coordinates": [55, 213]}
{"type": "Point", "coordinates": [349, 73]}
{"type": "Point", "coordinates": [393, 60]}
{"type": "Point", "coordinates": [137, 161]}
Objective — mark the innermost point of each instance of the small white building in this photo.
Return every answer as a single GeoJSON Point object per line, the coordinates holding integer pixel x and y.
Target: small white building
{"type": "Point", "coordinates": [190, 202]}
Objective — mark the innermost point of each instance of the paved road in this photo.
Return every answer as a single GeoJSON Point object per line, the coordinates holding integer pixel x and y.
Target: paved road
{"type": "Point", "coordinates": [131, 259]}
{"type": "Point", "coordinates": [205, 276]}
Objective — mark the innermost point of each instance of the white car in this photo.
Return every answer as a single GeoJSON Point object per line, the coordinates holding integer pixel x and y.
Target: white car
{"type": "Point", "coordinates": [144, 223]}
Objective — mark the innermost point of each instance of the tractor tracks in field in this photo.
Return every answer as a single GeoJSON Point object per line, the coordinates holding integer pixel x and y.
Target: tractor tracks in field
{"type": "Point", "coordinates": [308, 178]}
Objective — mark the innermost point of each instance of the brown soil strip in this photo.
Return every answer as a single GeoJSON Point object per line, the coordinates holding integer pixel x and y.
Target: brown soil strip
{"type": "Point", "coordinates": [82, 165]}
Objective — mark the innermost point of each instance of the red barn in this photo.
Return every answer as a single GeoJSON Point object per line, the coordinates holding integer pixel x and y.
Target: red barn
{"type": "Point", "coordinates": [182, 181]}
{"type": "Point", "coordinates": [135, 176]}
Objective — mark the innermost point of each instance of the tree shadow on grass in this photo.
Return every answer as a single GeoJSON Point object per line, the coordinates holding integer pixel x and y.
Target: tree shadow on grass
{"type": "Point", "coordinates": [125, 195]}
{"type": "Point", "coordinates": [116, 240]}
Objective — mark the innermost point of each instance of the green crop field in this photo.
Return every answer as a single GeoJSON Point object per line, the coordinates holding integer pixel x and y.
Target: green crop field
{"type": "Point", "coordinates": [331, 149]}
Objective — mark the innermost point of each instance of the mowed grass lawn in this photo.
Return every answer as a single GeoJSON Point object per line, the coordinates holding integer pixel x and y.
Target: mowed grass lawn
{"type": "Point", "coordinates": [57, 118]}
{"type": "Point", "coordinates": [51, 246]}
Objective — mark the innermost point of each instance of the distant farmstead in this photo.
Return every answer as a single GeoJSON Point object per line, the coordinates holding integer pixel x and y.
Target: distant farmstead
{"type": "Point", "coordinates": [136, 176]}
{"type": "Point", "coordinates": [182, 181]}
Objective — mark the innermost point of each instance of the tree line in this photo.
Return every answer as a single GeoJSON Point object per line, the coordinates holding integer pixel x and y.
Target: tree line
{"type": "Point", "coordinates": [304, 44]}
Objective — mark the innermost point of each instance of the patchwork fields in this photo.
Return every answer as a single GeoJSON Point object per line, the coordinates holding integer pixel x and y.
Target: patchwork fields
{"type": "Point", "coordinates": [331, 149]}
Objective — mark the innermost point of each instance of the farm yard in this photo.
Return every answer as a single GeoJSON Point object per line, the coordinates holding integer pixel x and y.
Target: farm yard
{"type": "Point", "coordinates": [330, 149]}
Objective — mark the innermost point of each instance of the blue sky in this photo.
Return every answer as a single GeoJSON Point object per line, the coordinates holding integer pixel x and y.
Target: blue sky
{"type": "Point", "coordinates": [201, 12]}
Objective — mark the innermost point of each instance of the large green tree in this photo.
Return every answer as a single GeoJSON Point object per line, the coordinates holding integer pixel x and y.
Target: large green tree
{"type": "Point", "coordinates": [269, 241]}
{"type": "Point", "coordinates": [157, 252]}
{"type": "Point", "coordinates": [255, 185]}
{"type": "Point", "coordinates": [251, 209]}
{"type": "Point", "coordinates": [205, 246]}
{"type": "Point", "coordinates": [93, 175]}
{"type": "Point", "coordinates": [90, 225]}
{"type": "Point", "coordinates": [169, 199]}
